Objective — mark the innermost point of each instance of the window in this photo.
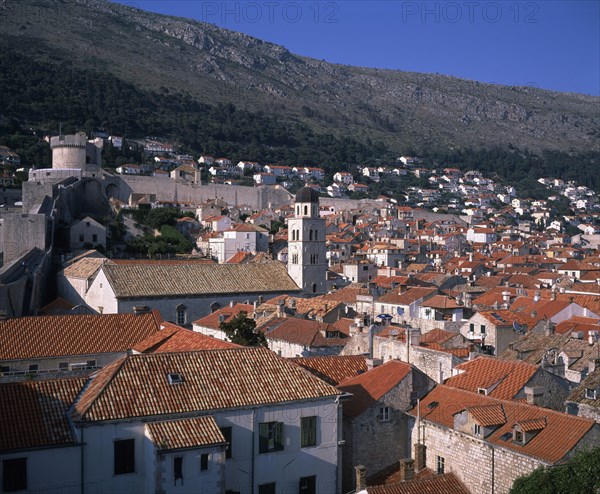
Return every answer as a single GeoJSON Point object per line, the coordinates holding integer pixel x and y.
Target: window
{"type": "Point", "coordinates": [316, 234]}
{"type": "Point", "coordinates": [174, 378]}
{"type": "Point", "coordinates": [305, 210]}
{"type": "Point", "coordinates": [310, 234]}
{"type": "Point", "coordinates": [308, 431]}
{"type": "Point", "coordinates": [226, 431]}
{"type": "Point", "coordinates": [178, 468]}
{"type": "Point", "coordinates": [267, 488]}
{"type": "Point", "coordinates": [124, 454]}
{"type": "Point", "coordinates": [440, 462]}
{"type": "Point", "coordinates": [590, 393]}
{"type": "Point", "coordinates": [518, 437]}
{"type": "Point", "coordinates": [81, 237]}
{"type": "Point", "coordinates": [384, 414]}
{"type": "Point", "coordinates": [482, 329]}
{"type": "Point", "coordinates": [91, 363]}
{"type": "Point", "coordinates": [204, 462]}
{"type": "Point", "coordinates": [180, 315]}
{"type": "Point", "coordinates": [94, 237]}
{"type": "Point", "coordinates": [14, 474]}
{"type": "Point", "coordinates": [33, 367]}
{"type": "Point", "coordinates": [270, 437]}
{"type": "Point", "coordinates": [294, 258]}
{"type": "Point", "coordinates": [477, 430]}
{"type": "Point", "coordinates": [314, 288]}
{"type": "Point", "coordinates": [308, 485]}
{"type": "Point", "coordinates": [4, 368]}
{"type": "Point", "coordinates": [63, 366]}
{"type": "Point", "coordinates": [472, 328]}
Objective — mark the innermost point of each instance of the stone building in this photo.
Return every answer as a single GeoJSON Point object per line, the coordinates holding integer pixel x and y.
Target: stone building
{"type": "Point", "coordinates": [87, 232]}
{"type": "Point", "coordinates": [375, 429]}
{"type": "Point", "coordinates": [487, 443]}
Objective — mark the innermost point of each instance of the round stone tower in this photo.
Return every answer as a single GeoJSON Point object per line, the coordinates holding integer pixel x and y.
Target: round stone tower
{"type": "Point", "coordinates": [69, 151]}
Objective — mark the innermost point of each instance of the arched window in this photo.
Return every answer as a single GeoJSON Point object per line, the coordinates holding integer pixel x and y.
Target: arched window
{"type": "Point", "coordinates": [314, 288]}
{"type": "Point", "coordinates": [305, 210]}
{"type": "Point", "coordinates": [310, 234]}
{"type": "Point", "coordinates": [180, 314]}
{"type": "Point", "coordinates": [316, 234]}
{"type": "Point", "coordinates": [298, 210]}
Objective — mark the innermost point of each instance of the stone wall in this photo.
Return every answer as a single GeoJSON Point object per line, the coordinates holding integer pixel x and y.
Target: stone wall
{"type": "Point", "coordinates": [435, 364]}
{"type": "Point", "coordinates": [172, 190]}
{"type": "Point", "coordinates": [19, 233]}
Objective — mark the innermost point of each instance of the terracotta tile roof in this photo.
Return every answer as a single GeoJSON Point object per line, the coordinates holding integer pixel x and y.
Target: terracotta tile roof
{"type": "Point", "coordinates": [532, 424]}
{"type": "Point", "coordinates": [347, 294]}
{"type": "Point", "coordinates": [212, 320]}
{"type": "Point", "coordinates": [77, 334]}
{"type": "Point", "coordinates": [437, 335]}
{"type": "Point", "coordinates": [172, 338]}
{"type": "Point", "coordinates": [440, 302]}
{"type": "Point", "coordinates": [301, 332]}
{"type": "Point", "coordinates": [85, 268]}
{"type": "Point", "coordinates": [57, 307]}
{"type": "Point", "coordinates": [170, 435]}
{"type": "Point", "coordinates": [161, 262]}
{"type": "Point", "coordinates": [138, 385]}
{"type": "Point", "coordinates": [34, 413]}
{"type": "Point", "coordinates": [433, 484]}
{"type": "Point", "coordinates": [561, 434]}
{"type": "Point", "coordinates": [143, 281]}
{"type": "Point", "coordinates": [506, 377]}
{"type": "Point", "coordinates": [368, 388]}
{"type": "Point", "coordinates": [488, 415]}
{"type": "Point", "coordinates": [333, 369]}
{"type": "Point", "coordinates": [238, 257]}
{"type": "Point", "coordinates": [408, 297]}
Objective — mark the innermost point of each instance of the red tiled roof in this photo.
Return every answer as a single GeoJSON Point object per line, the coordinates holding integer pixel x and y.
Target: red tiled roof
{"type": "Point", "coordinates": [228, 313]}
{"type": "Point", "coordinates": [333, 369]}
{"type": "Point", "coordinates": [488, 415]}
{"type": "Point", "coordinates": [368, 388]}
{"type": "Point", "coordinates": [78, 334]}
{"type": "Point", "coordinates": [301, 332]}
{"type": "Point", "coordinates": [174, 338]}
{"type": "Point", "coordinates": [138, 385]}
{"type": "Point", "coordinates": [169, 435]}
{"type": "Point", "coordinates": [34, 413]}
{"type": "Point", "coordinates": [507, 377]}
{"type": "Point", "coordinates": [408, 297]}
{"type": "Point", "coordinates": [433, 484]}
{"type": "Point", "coordinates": [561, 434]}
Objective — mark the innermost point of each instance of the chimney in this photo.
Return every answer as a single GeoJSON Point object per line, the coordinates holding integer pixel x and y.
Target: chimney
{"type": "Point", "coordinates": [407, 469]}
{"type": "Point", "coordinates": [361, 478]}
{"type": "Point", "coordinates": [231, 304]}
{"type": "Point", "coordinates": [420, 457]}
{"type": "Point", "coordinates": [534, 395]}
{"type": "Point", "coordinates": [593, 365]}
{"type": "Point", "coordinates": [373, 362]}
{"type": "Point", "coordinates": [280, 308]}
{"type": "Point", "coordinates": [415, 337]}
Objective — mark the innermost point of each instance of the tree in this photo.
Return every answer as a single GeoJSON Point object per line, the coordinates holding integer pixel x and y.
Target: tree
{"type": "Point", "coordinates": [581, 474]}
{"type": "Point", "coordinates": [242, 331]}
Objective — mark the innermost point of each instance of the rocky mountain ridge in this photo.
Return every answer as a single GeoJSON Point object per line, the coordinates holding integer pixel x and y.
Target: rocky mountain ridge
{"type": "Point", "coordinates": [213, 65]}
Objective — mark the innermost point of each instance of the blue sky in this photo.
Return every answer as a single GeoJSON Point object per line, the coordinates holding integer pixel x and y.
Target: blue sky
{"type": "Point", "coordinates": [548, 44]}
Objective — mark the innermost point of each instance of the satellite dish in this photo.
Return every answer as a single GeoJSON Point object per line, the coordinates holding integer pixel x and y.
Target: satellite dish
{"type": "Point", "coordinates": [400, 311]}
{"type": "Point", "coordinates": [517, 327]}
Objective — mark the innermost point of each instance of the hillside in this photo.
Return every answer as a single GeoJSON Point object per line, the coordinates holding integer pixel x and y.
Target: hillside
{"type": "Point", "coordinates": [207, 64]}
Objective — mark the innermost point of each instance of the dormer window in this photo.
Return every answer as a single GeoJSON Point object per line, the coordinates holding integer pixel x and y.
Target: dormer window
{"type": "Point", "coordinates": [518, 437]}
{"type": "Point", "coordinates": [174, 378]}
{"type": "Point", "coordinates": [482, 391]}
{"type": "Point", "coordinates": [477, 430]}
{"type": "Point", "coordinates": [591, 393]}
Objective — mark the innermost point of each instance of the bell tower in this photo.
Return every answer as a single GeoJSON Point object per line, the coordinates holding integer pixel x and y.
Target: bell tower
{"type": "Point", "coordinates": [307, 264]}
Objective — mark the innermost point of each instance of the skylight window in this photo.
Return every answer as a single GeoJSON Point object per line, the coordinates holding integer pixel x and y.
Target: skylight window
{"type": "Point", "coordinates": [175, 378]}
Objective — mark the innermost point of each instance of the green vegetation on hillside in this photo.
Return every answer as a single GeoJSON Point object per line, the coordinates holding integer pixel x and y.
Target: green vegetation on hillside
{"type": "Point", "coordinates": [36, 96]}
